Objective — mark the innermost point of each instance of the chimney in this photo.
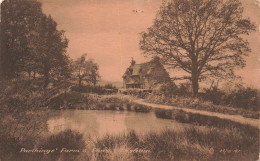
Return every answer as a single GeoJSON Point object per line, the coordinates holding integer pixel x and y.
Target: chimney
{"type": "Point", "coordinates": [132, 62]}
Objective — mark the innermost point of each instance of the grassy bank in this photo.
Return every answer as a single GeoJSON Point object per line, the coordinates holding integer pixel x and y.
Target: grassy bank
{"type": "Point", "coordinates": [190, 144]}
{"type": "Point", "coordinates": [199, 119]}
{"type": "Point", "coordinates": [199, 104]}
{"type": "Point", "coordinates": [76, 100]}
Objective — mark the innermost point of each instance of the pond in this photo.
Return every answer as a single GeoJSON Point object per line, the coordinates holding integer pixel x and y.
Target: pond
{"type": "Point", "coordinates": [96, 123]}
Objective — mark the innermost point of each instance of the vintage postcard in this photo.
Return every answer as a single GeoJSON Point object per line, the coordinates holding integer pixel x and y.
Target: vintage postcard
{"type": "Point", "coordinates": [129, 80]}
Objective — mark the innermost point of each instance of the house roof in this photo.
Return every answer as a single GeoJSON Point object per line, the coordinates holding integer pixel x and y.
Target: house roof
{"type": "Point", "coordinates": [136, 69]}
{"type": "Point", "coordinates": [152, 72]}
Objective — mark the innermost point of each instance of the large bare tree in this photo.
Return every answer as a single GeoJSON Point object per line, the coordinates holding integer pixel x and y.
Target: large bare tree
{"type": "Point", "coordinates": [204, 38]}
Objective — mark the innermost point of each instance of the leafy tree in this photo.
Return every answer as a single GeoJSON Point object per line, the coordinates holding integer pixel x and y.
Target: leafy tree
{"type": "Point", "coordinates": [51, 46]}
{"type": "Point", "coordinates": [19, 19]}
{"type": "Point", "coordinates": [86, 70]}
{"type": "Point", "coordinates": [94, 74]}
{"type": "Point", "coordinates": [31, 42]}
{"type": "Point", "coordinates": [201, 37]}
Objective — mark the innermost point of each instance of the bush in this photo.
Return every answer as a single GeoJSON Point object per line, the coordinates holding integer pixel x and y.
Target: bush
{"type": "Point", "coordinates": [21, 130]}
{"type": "Point", "coordinates": [161, 113]}
{"type": "Point", "coordinates": [200, 104]}
{"type": "Point", "coordinates": [128, 107]}
{"type": "Point", "coordinates": [109, 86]}
{"type": "Point", "coordinates": [68, 139]}
{"type": "Point", "coordinates": [245, 98]}
{"type": "Point", "coordinates": [112, 107]}
{"type": "Point", "coordinates": [202, 120]}
{"type": "Point", "coordinates": [184, 89]}
{"type": "Point", "coordinates": [67, 100]}
{"type": "Point", "coordinates": [139, 93]}
{"type": "Point", "coordinates": [95, 89]}
{"type": "Point", "coordinates": [142, 108]}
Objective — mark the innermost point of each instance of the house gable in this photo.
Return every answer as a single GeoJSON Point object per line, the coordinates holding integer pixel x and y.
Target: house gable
{"type": "Point", "coordinates": [147, 75]}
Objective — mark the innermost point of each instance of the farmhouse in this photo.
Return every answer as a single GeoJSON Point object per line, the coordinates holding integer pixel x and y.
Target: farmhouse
{"type": "Point", "coordinates": [149, 75]}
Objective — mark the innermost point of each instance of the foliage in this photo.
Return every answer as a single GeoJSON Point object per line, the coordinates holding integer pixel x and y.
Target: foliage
{"type": "Point", "coordinates": [200, 104]}
{"type": "Point", "coordinates": [20, 130]}
{"type": "Point", "coordinates": [199, 119]}
{"type": "Point", "coordinates": [94, 89]}
{"type": "Point", "coordinates": [31, 42]}
{"type": "Point", "coordinates": [109, 86]}
{"type": "Point", "coordinates": [246, 98]}
{"type": "Point", "coordinates": [118, 102]}
{"type": "Point", "coordinates": [76, 100]}
{"type": "Point", "coordinates": [241, 142]}
{"type": "Point", "coordinates": [166, 114]}
{"type": "Point", "coordinates": [19, 20]}
{"type": "Point", "coordinates": [190, 144]}
{"type": "Point", "coordinates": [22, 122]}
{"type": "Point", "coordinates": [139, 93]}
{"type": "Point", "coordinates": [184, 89]}
{"type": "Point", "coordinates": [200, 37]}
{"type": "Point", "coordinates": [86, 70]}
{"type": "Point", "coordinates": [68, 139]}
{"type": "Point", "coordinates": [66, 100]}
{"type": "Point", "coordinates": [203, 120]}
{"type": "Point", "coordinates": [52, 46]}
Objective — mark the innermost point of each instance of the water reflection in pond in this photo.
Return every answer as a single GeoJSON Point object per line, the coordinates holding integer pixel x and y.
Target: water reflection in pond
{"type": "Point", "coordinates": [98, 123]}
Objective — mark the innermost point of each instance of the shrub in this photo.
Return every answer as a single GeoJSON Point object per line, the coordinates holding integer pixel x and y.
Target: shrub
{"type": "Point", "coordinates": [142, 108]}
{"type": "Point", "coordinates": [94, 89]}
{"type": "Point", "coordinates": [9, 147]}
{"type": "Point", "coordinates": [200, 104]}
{"type": "Point", "coordinates": [112, 106]}
{"type": "Point", "coordinates": [109, 86]}
{"type": "Point", "coordinates": [161, 113]}
{"type": "Point", "coordinates": [67, 139]}
{"type": "Point", "coordinates": [128, 107]}
{"type": "Point", "coordinates": [115, 102]}
{"type": "Point", "coordinates": [245, 98]}
{"type": "Point", "coordinates": [121, 108]}
{"type": "Point", "coordinates": [184, 89]}
{"type": "Point", "coordinates": [67, 100]}
{"type": "Point", "coordinates": [139, 93]}
{"type": "Point", "coordinates": [20, 130]}
{"type": "Point", "coordinates": [203, 120]}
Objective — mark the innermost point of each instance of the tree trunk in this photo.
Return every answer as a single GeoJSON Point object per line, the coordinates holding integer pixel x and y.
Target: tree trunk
{"type": "Point", "coordinates": [29, 74]}
{"type": "Point", "coordinates": [195, 79]}
{"type": "Point", "coordinates": [34, 75]}
{"type": "Point", "coordinates": [46, 76]}
{"type": "Point", "coordinates": [94, 81]}
{"type": "Point", "coordinates": [80, 80]}
{"type": "Point", "coordinates": [195, 87]}
{"type": "Point", "coordinates": [47, 79]}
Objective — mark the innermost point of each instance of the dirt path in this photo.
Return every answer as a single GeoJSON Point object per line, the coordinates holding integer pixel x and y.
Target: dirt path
{"type": "Point", "coordinates": [237, 118]}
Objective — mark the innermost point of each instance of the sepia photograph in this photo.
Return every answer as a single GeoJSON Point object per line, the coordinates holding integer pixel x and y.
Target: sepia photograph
{"type": "Point", "coordinates": [129, 80]}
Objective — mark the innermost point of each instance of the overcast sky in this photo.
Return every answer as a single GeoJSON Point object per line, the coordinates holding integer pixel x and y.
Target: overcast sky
{"type": "Point", "coordinates": [108, 31]}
